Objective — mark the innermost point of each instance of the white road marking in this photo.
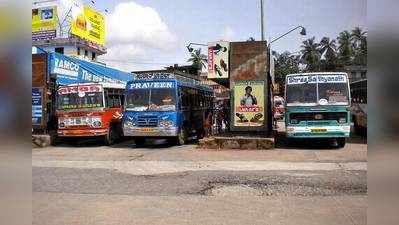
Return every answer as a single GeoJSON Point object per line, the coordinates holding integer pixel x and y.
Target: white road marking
{"type": "Point", "coordinates": [159, 167]}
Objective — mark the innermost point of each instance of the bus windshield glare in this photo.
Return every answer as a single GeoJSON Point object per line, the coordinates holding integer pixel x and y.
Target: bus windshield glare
{"type": "Point", "coordinates": [80, 100]}
{"type": "Point", "coordinates": [151, 100]}
{"type": "Point", "coordinates": [317, 89]}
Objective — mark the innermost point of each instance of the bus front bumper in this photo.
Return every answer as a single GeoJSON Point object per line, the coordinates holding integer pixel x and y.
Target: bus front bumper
{"type": "Point", "coordinates": [318, 132]}
{"type": "Point", "coordinates": [82, 132]}
{"type": "Point", "coordinates": [150, 131]}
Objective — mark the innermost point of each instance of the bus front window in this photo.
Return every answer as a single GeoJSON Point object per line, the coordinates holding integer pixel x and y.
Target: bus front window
{"type": "Point", "coordinates": [334, 93]}
{"type": "Point", "coordinates": [151, 100]}
{"type": "Point", "coordinates": [301, 93]}
{"type": "Point", "coordinates": [82, 101]}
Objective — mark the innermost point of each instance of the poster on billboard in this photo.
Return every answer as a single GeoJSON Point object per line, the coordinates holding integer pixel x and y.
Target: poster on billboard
{"type": "Point", "coordinates": [88, 24]}
{"type": "Point", "coordinates": [249, 103]}
{"type": "Point", "coordinates": [218, 60]}
{"type": "Point", "coordinates": [44, 23]}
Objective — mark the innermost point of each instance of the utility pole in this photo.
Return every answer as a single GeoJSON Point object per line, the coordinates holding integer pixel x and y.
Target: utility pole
{"type": "Point", "coordinates": [261, 21]}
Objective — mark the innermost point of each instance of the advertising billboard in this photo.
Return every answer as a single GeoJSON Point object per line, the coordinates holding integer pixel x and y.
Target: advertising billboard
{"type": "Point", "coordinates": [251, 87]}
{"type": "Point", "coordinates": [249, 110]}
{"type": "Point", "coordinates": [88, 24]}
{"type": "Point", "coordinates": [70, 70]}
{"type": "Point", "coordinates": [218, 60]}
{"type": "Point", "coordinates": [44, 23]}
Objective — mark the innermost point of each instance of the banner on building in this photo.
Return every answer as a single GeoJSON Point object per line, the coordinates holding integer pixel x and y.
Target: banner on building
{"type": "Point", "coordinates": [249, 110]}
{"type": "Point", "coordinates": [44, 23]}
{"type": "Point", "coordinates": [218, 60]}
{"type": "Point", "coordinates": [71, 70]}
{"type": "Point", "coordinates": [88, 24]}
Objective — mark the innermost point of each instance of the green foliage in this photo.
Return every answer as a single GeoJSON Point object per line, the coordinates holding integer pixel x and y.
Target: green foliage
{"type": "Point", "coordinates": [285, 63]}
{"type": "Point", "coordinates": [198, 59]}
{"type": "Point", "coordinates": [349, 48]}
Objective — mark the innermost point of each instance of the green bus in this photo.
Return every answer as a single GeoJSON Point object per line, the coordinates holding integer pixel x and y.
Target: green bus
{"type": "Point", "coordinates": [318, 106]}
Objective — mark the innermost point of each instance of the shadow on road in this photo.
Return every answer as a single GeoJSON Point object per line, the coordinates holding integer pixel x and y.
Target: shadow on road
{"type": "Point", "coordinates": [281, 141]}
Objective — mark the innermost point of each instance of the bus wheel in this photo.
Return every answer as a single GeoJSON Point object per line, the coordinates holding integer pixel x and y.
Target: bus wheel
{"type": "Point", "coordinates": [109, 138]}
{"type": "Point", "coordinates": [181, 137]}
{"type": "Point", "coordinates": [139, 141]}
{"type": "Point", "coordinates": [341, 142]}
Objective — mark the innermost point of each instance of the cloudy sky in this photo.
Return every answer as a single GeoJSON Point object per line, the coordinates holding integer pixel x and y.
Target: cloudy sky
{"type": "Point", "coordinates": [143, 34]}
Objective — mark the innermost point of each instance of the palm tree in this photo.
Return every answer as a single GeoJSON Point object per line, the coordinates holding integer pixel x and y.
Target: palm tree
{"type": "Point", "coordinates": [311, 54]}
{"type": "Point", "coordinates": [198, 59]}
{"type": "Point", "coordinates": [358, 37]}
{"type": "Point", "coordinates": [328, 50]}
{"type": "Point", "coordinates": [345, 48]}
{"type": "Point", "coordinates": [359, 43]}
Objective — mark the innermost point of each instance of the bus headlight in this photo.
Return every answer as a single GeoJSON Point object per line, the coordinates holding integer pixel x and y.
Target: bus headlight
{"type": "Point", "coordinates": [96, 121]}
{"type": "Point", "coordinates": [129, 124]}
{"type": "Point", "coordinates": [61, 125]}
{"type": "Point", "coordinates": [165, 123]}
{"type": "Point", "coordinates": [342, 120]}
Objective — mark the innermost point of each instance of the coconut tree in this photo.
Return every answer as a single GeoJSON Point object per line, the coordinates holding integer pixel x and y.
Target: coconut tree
{"type": "Point", "coordinates": [358, 36]}
{"type": "Point", "coordinates": [198, 59]}
{"type": "Point", "coordinates": [310, 54]}
{"type": "Point", "coordinates": [345, 50]}
{"type": "Point", "coordinates": [327, 49]}
{"type": "Point", "coordinates": [359, 43]}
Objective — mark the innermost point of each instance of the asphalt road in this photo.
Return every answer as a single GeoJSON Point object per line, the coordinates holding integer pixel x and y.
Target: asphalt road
{"type": "Point", "coordinates": [86, 183]}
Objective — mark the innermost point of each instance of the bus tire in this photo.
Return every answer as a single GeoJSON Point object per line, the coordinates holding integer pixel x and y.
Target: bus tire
{"type": "Point", "coordinates": [109, 138]}
{"type": "Point", "coordinates": [139, 141]}
{"type": "Point", "coordinates": [341, 142]}
{"type": "Point", "coordinates": [181, 137]}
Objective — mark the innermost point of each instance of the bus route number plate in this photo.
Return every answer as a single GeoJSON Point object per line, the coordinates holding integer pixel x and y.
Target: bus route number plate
{"type": "Point", "coordinates": [147, 130]}
{"type": "Point", "coordinates": [318, 130]}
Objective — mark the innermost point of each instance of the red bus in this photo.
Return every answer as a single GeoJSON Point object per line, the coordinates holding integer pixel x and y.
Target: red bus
{"type": "Point", "coordinates": [90, 110]}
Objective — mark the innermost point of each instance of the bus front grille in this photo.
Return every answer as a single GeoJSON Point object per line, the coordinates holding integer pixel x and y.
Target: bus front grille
{"type": "Point", "coordinates": [317, 118]}
{"type": "Point", "coordinates": [147, 121]}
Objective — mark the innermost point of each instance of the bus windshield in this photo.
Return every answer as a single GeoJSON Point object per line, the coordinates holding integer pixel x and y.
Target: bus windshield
{"type": "Point", "coordinates": [329, 89]}
{"type": "Point", "coordinates": [162, 99]}
{"type": "Point", "coordinates": [80, 100]}
{"type": "Point", "coordinates": [302, 93]}
{"type": "Point", "coordinates": [334, 93]}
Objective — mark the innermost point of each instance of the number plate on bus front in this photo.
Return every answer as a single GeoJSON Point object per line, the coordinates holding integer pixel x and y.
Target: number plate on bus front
{"type": "Point", "coordinates": [320, 130]}
{"type": "Point", "coordinates": [147, 129]}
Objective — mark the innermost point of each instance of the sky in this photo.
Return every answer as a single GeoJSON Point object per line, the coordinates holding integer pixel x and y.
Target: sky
{"type": "Point", "coordinates": [152, 34]}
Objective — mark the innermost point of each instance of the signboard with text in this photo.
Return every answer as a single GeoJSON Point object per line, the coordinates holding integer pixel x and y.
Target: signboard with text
{"type": "Point", "coordinates": [44, 23]}
{"type": "Point", "coordinates": [71, 70]}
{"type": "Point", "coordinates": [88, 24]}
{"type": "Point", "coordinates": [37, 108]}
{"type": "Point", "coordinates": [249, 103]}
{"type": "Point", "coordinates": [218, 60]}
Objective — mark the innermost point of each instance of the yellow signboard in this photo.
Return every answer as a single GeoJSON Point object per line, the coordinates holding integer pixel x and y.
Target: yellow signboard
{"type": "Point", "coordinates": [89, 24]}
{"type": "Point", "coordinates": [44, 19]}
{"type": "Point", "coordinates": [249, 110]}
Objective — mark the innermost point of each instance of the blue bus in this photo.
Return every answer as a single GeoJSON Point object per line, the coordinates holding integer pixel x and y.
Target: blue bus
{"type": "Point", "coordinates": [165, 106]}
{"type": "Point", "coordinates": [318, 106]}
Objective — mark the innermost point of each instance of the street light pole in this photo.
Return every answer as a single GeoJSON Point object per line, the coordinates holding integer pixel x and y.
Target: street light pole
{"type": "Point", "coordinates": [191, 49]}
{"type": "Point", "coordinates": [261, 21]}
{"type": "Point", "coordinates": [302, 32]}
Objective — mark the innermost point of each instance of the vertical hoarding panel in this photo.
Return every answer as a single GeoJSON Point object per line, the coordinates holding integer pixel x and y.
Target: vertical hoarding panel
{"type": "Point", "coordinates": [37, 106]}
{"type": "Point", "coordinates": [249, 110]}
{"type": "Point", "coordinates": [218, 60]}
{"type": "Point", "coordinates": [249, 81]}
{"type": "Point", "coordinates": [44, 23]}
{"type": "Point", "coordinates": [88, 24]}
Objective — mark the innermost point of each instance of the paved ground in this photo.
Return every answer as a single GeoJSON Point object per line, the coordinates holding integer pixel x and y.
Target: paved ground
{"type": "Point", "coordinates": [304, 183]}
